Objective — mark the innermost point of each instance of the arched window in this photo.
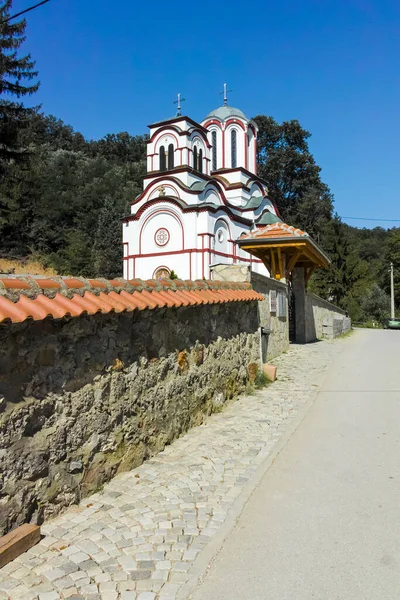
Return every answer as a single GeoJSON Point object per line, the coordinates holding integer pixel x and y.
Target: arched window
{"type": "Point", "coordinates": [214, 150]}
{"type": "Point", "coordinates": [195, 158]}
{"type": "Point", "coordinates": [233, 148]}
{"type": "Point", "coordinates": [200, 165]}
{"type": "Point", "coordinates": [161, 273]}
{"type": "Point", "coordinates": [170, 157]}
{"type": "Point", "coordinates": [163, 164]}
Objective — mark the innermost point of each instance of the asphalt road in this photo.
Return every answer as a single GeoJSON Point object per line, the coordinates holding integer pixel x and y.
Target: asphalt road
{"type": "Point", "coordinates": [324, 523]}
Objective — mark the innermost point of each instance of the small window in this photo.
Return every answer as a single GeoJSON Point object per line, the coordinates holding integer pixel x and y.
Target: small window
{"type": "Point", "coordinates": [170, 157]}
{"type": "Point", "coordinates": [163, 164]}
{"type": "Point", "coordinates": [195, 158]}
{"type": "Point", "coordinates": [214, 150]}
{"type": "Point", "coordinates": [233, 149]}
{"type": "Point", "coordinates": [200, 165]}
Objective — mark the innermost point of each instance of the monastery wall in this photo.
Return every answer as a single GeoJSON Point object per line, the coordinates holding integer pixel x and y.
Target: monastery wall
{"type": "Point", "coordinates": [96, 377]}
{"type": "Point", "coordinates": [273, 309]}
{"type": "Point", "coordinates": [323, 319]}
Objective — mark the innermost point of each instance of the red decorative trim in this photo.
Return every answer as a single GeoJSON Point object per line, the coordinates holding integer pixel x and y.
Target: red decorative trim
{"type": "Point", "coordinates": [235, 122]}
{"type": "Point", "coordinates": [192, 251]}
{"type": "Point", "coordinates": [223, 148]}
{"type": "Point", "coordinates": [163, 229]}
{"type": "Point", "coordinates": [188, 209]}
{"type": "Point", "coordinates": [176, 120]}
{"type": "Point", "coordinates": [245, 151]}
{"type": "Point", "coordinates": [164, 210]}
{"type": "Point", "coordinates": [162, 134]}
{"type": "Point", "coordinates": [213, 122]}
{"type": "Point", "coordinates": [202, 135]}
{"type": "Point", "coordinates": [182, 186]}
{"type": "Point", "coordinates": [159, 184]}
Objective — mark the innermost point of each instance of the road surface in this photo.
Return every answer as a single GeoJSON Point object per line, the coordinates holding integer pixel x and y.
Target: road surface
{"type": "Point", "coordinates": [324, 522]}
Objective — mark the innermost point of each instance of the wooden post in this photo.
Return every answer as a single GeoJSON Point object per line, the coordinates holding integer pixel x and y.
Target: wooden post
{"type": "Point", "coordinates": [17, 542]}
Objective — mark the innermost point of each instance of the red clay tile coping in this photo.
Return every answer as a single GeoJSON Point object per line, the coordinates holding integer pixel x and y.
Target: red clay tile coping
{"type": "Point", "coordinates": [26, 297]}
{"type": "Point", "coordinates": [275, 230]}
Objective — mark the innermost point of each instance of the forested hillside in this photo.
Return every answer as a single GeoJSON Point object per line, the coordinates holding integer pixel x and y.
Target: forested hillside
{"type": "Point", "coordinates": [62, 197]}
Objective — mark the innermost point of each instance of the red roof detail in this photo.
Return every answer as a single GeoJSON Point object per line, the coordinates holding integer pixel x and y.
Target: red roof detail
{"type": "Point", "coordinates": [275, 230]}
{"type": "Point", "coordinates": [15, 284]}
{"type": "Point", "coordinates": [37, 298]}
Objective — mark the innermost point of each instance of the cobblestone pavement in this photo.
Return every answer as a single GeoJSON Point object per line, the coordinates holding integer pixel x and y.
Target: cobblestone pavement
{"type": "Point", "coordinates": [139, 537]}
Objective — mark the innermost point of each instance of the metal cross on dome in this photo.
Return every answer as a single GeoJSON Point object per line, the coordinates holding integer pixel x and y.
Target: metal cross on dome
{"type": "Point", "coordinates": [178, 102]}
{"type": "Point", "coordinates": [225, 93]}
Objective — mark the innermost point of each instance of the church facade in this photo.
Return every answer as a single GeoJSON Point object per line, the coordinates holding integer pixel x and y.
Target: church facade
{"type": "Point", "coordinates": [201, 193]}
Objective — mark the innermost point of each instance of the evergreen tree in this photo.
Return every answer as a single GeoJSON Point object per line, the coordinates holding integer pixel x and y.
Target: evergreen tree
{"type": "Point", "coordinates": [13, 71]}
{"type": "Point", "coordinates": [107, 247]}
{"type": "Point", "coordinates": [287, 165]}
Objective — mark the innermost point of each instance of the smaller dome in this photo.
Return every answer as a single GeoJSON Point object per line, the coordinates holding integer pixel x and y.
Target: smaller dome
{"type": "Point", "coordinates": [224, 112]}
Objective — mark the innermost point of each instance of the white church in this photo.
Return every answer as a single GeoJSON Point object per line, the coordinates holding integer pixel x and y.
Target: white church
{"type": "Point", "coordinates": [201, 192]}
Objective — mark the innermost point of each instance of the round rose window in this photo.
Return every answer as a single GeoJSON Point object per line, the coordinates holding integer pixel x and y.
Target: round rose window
{"type": "Point", "coordinates": [162, 237]}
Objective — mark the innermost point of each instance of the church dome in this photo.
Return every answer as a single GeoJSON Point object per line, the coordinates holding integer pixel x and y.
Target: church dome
{"type": "Point", "coordinates": [224, 112]}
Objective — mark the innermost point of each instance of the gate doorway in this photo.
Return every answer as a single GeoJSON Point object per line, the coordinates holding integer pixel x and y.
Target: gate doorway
{"type": "Point", "coordinates": [292, 314]}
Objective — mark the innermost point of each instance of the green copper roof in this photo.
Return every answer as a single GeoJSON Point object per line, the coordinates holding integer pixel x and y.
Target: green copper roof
{"type": "Point", "coordinates": [198, 186]}
{"type": "Point", "coordinates": [224, 112]}
{"type": "Point", "coordinates": [254, 202]}
{"type": "Point", "coordinates": [268, 218]}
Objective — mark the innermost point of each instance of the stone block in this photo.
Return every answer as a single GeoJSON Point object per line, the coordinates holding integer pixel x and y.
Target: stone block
{"type": "Point", "coordinates": [270, 371]}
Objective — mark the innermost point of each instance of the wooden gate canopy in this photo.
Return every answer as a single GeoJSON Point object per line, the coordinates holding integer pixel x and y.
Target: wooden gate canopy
{"type": "Point", "coordinates": [282, 247]}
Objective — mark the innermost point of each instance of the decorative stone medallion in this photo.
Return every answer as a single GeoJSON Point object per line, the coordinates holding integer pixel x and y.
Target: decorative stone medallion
{"type": "Point", "coordinates": [161, 237]}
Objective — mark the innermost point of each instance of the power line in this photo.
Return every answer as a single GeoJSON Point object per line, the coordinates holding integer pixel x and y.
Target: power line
{"type": "Point", "coordinates": [24, 11]}
{"type": "Point", "coordinates": [367, 219]}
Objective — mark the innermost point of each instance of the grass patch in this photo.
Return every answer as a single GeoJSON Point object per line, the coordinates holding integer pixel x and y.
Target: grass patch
{"type": "Point", "coordinates": [28, 266]}
{"type": "Point", "coordinates": [261, 380]}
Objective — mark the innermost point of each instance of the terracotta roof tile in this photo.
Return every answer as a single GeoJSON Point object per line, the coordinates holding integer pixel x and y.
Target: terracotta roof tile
{"type": "Point", "coordinates": [30, 297]}
{"type": "Point", "coordinates": [15, 284]}
{"type": "Point", "coordinates": [74, 283]}
{"type": "Point", "coordinates": [275, 230]}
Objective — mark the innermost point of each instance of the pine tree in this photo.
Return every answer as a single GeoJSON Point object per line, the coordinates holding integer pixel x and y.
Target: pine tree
{"type": "Point", "coordinates": [107, 247]}
{"type": "Point", "coordinates": [14, 69]}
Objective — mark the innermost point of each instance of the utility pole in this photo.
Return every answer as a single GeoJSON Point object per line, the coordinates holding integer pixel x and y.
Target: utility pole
{"type": "Point", "coordinates": [391, 292]}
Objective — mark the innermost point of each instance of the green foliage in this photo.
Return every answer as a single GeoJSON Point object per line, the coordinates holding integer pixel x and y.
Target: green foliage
{"type": "Point", "coordinates": [287, 165]}
{"type": "Point", "coordinates": [392, 254]}
{"type": "Point", "coordinates": [67, 206]}
{"type": "Point", "coordinates": [376, 303]}
{"type": "Point", "coordinates": [261, 380]}
{"type": "Point", "coordinates": [14, 69]}
{"type": "Point", "coordinates": [107, 248]}
{"type": "Point", "coordinates": [173, 275]}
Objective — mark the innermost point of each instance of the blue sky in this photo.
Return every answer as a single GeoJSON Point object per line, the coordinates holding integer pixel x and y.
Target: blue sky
{"type": "Point", "coordinates": [333, 65]}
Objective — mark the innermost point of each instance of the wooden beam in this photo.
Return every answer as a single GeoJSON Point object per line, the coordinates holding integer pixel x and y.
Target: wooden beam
{"type": "Point", "coordinates": [17, 542]}
{"type": "Point", "coordinates": [292, 262]}
{"type": "Point", "coordinates": [272, 245]}
{"type": "Point", "coordinates": [273, 263]}
{"type": "Point", "coordinates": [280, 265]}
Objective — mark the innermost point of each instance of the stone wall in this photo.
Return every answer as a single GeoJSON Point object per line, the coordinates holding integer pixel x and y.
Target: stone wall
{"type": "Point", "coordinates": [273, 316]}
{"type": "Point", "coordinates": [323, 319]}
{"type": "Point", "coordinates": [84, 398]}
{"type": "Point", "coordinates": [275, 322]}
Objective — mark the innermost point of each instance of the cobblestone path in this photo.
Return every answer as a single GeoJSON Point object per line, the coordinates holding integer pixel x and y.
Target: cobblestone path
{"type": "Point", "coordinates": [139, 537]}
